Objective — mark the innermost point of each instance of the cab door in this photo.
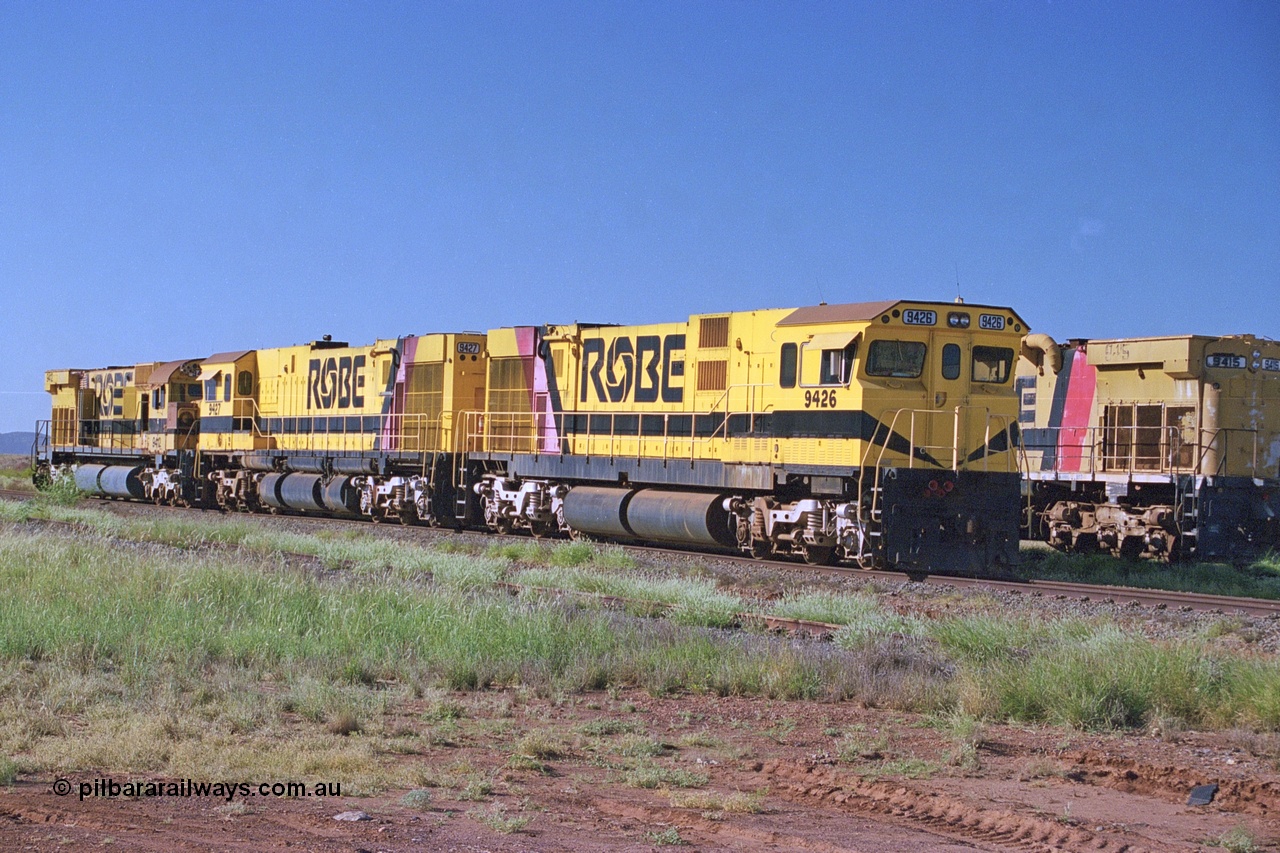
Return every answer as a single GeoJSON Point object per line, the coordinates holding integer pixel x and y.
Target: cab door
{"type": "Point", "coordinates": [947, 395]}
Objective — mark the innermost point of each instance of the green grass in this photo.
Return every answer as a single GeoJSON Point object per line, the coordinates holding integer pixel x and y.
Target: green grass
{"type": "Point", "coordinates": [162, 656]}
{"type": "Point", "coordinates": [868, 627]}
{"type": "Point", "coordinates": [649, 775]}
{"type": "Point", "coordinates": [158, 635]}
{"type": "Point", "coordinates": [826, 607]}
{"type": "Point", "coordinates": [86, 601]}
{"type": "Point", "coordinates": [1257, 579]}
{"type": "Point", "coordinates": [350, 550]}
{"type": "Point", "coordinates": [498, 819]}
{"type": "Point", "coordinates": [15, 473]}
{"type": "Point", "coordinates": [1235, 840]}
{"type": "Point", "coordinates": [669, 837]}
{"type": "Point", "coordinates": [694, 601]}
{"type": "Point", "coordinates": [1112, 678]}
{"type": "Point", "coordinates": [418, 798]}
{"type": "Point", "coordinates": [562, 554]}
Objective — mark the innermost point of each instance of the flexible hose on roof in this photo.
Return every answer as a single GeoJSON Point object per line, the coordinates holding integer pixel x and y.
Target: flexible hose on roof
{"type": "Point", "coordinates": [1042, 351]}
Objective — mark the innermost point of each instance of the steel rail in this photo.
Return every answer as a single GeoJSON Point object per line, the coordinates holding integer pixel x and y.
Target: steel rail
{"type": "Point", "coordinates": [1058, 590]}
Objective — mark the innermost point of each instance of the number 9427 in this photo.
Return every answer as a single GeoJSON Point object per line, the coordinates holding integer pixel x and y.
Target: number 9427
{"type": "Point", "coordinates": [822, 399]}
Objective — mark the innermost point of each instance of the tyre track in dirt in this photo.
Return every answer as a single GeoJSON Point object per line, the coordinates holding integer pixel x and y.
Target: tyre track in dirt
{"type": "Point", "coordinates": [1171, 784]}
{"type": "Point", "coordinates": [777, 830]}
{"type": "Point", "coordinates": [942, 814]}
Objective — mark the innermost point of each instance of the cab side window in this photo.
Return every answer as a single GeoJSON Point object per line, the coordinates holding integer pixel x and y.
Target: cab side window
{"type": "Point", "coordinates": [835, 366]}
{"type": "Point", "coordinates": [992, 364]}
{"type": "Point", "coordinates": [787, 366]}
{"type": "Point", "coordinates": [244, 384]}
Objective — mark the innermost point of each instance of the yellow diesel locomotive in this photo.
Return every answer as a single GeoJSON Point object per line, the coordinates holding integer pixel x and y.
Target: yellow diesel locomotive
{"type": "Point", "coordinates": [329, 427]}
{"type": "Point", "coordinates": [106, 422]}
{"type": "Point", "coordinates": [1162, 447]}
{"type": "Point", "coordinates": [881, 432]}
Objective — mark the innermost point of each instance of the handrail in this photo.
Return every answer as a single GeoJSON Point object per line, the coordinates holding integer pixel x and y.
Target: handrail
{"type": "Point", "coordinates": [724, 398]}
{"type": "Point", "coordinates": [523, 432]}
{"type": "Point", "coordinates": [43, 429]}
{"type": "Point", "coordinates": [426, 433]}
{"type": "Point", "coordinates": [957, 464]}
{"type": "Point", "coordinates": [520, 432]}
{"type": "Point", "coordinates": [1116, 449]}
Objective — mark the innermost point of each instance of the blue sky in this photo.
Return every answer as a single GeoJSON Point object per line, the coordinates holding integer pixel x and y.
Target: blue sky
{"type": "Point", "coordinates": [182, 178]}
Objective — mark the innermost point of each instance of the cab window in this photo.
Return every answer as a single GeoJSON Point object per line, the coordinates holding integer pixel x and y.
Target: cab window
{"type": "Point", "coordinates": [951, 361]}
{"type": "Point", "coordinates": [244, 384]}
{"type": "Point", "coordinates": [835, 366]}
{"type": "Point", "coordinates": [787, 366]}
{"type": "Point", "coordinates": [898, 359]}
{"type": "Point", "coordinates": [226, 388]}
{"type": "Point", "coordinates": [992, 364]}
{"type": "Point", "coordinates": [828, 359]}
{"type": "Point", "coordinates": [211, 387]}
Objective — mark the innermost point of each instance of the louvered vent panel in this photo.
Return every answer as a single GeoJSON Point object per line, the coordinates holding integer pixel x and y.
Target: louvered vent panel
{"type": "Point", "coordinates": [713, 375]}
{"type": "Point", "coordinates": [713, 332]}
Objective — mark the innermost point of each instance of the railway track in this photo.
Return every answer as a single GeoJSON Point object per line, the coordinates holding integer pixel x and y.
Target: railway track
{"type": "Point", "coordinates": [1059, 590]}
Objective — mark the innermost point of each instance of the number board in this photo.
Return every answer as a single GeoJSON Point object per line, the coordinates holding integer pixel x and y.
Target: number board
{"type": "Point", "coordinates": [1224, 359]}
{"type": "Point", "coordinates": [468, 347]}
{"type": "Point", "coordinates": [991, 322]}
{"type": "Point", "coordinates": [1271, 364]}
{"type": "Point", "coordinates": [918, 317]}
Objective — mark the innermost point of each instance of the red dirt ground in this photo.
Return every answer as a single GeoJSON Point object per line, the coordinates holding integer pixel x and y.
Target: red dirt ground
{"type": "Point", "coordinates": [1029, 789]}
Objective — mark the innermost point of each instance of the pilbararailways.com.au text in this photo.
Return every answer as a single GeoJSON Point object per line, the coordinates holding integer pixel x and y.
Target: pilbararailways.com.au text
{"type": "Point", "coordinates": [189, 788]}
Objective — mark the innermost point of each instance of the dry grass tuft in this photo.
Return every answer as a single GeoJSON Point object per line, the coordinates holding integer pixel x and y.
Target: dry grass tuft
{"type": "Point", "coordinates": [343, 723]}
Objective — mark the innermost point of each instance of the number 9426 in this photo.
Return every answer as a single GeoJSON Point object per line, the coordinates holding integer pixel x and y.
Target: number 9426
{"type": "Point", "coordinates": [823, 399]}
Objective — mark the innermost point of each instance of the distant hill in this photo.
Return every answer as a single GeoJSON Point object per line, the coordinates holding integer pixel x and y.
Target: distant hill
{"type": "Point", "coordinates": [16, 442]}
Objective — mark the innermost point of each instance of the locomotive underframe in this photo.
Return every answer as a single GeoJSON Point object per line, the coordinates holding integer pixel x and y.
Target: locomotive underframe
{"type": "Point", "coordinates": [1229, 518]}
{"type": "Point", "coordinates": [922, 519]}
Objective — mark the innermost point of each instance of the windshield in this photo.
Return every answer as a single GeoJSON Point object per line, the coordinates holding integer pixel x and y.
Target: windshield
{"type": "Point", "coordinates": [900, 359]}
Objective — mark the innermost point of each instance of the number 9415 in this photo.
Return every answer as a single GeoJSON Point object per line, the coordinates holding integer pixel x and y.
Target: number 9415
{"type": "Point", "coordinates": [823, 399]}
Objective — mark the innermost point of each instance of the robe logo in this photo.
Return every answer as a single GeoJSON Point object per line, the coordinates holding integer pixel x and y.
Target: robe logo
{"type": "Point", "coordinates": [335, 382]}
{"type": "Point", "coordinates": [109, 387]}
{"type": "Point", "coordinates": [629, 366]}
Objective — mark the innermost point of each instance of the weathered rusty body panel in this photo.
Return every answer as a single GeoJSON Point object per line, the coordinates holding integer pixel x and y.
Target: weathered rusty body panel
{"type": "Point", "coordinates": [1154, 445]}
